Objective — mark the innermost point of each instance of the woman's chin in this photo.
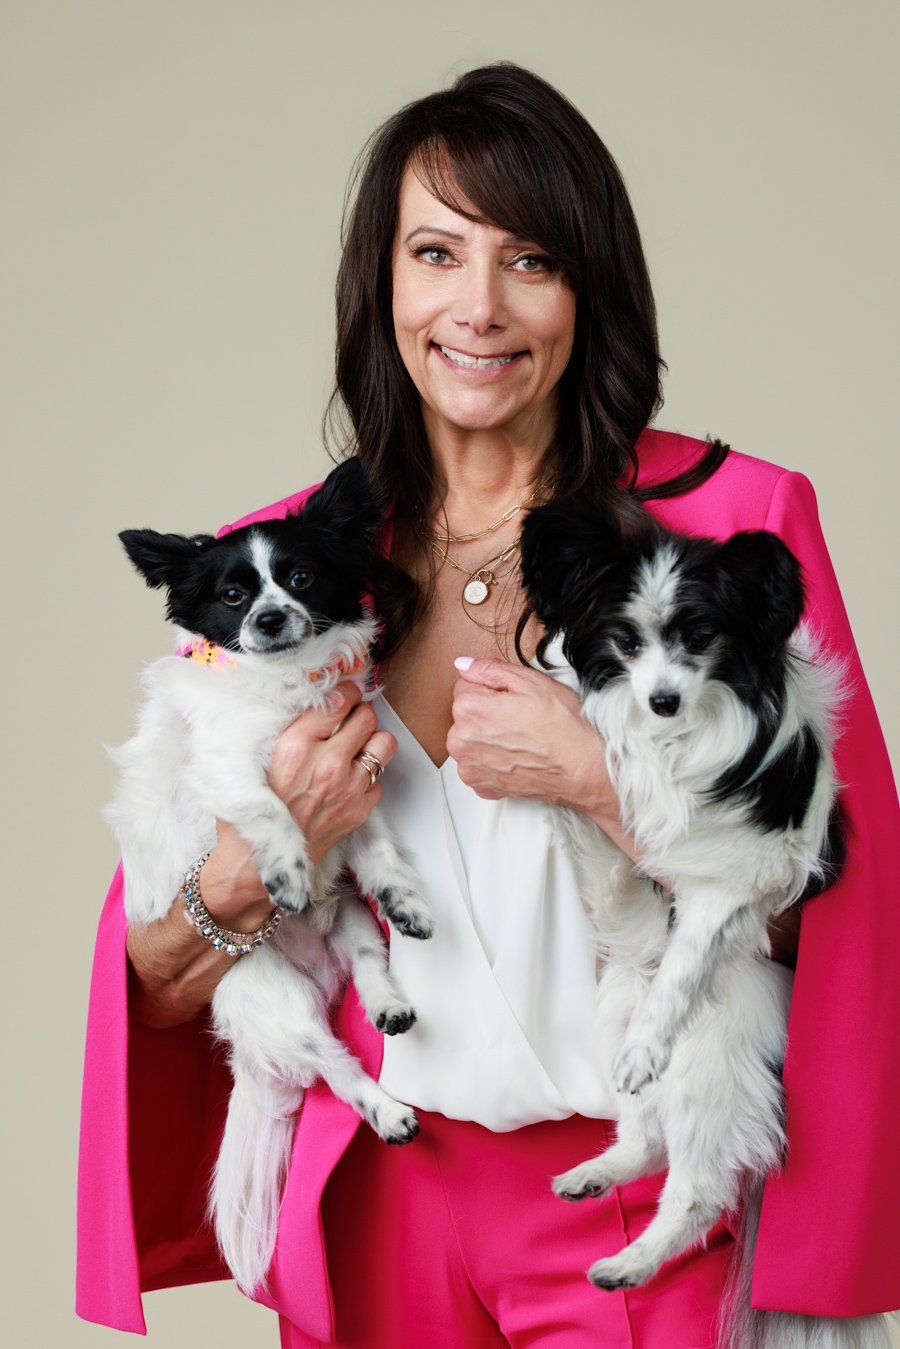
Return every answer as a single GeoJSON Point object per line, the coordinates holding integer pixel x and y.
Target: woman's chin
{"type": "Point", "coordinates": [478, 411]}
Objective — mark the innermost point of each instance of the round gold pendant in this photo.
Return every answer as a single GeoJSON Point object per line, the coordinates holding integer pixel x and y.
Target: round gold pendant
{"type": "Point", "coordinates": [476, 592]}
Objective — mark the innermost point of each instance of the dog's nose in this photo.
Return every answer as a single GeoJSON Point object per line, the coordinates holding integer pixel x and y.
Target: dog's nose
{"type": "Point", "coordinates": [270, 621]}
{"type": "Point", "coordinates": [665, 704]}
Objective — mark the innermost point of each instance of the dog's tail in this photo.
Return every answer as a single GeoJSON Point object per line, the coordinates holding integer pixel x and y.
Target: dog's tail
{"type": "Point", "coordinates": [743, 1327]}
{"type": "Point", "coordinates": [245, 1196]}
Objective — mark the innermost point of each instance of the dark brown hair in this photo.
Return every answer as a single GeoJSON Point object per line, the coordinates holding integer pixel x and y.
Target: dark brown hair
{"type": "Point", "coordinates": [503, 147]}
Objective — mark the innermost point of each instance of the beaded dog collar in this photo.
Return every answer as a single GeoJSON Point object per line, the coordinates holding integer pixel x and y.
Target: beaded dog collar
{"type": "Point", "coordinates": [208, 653]}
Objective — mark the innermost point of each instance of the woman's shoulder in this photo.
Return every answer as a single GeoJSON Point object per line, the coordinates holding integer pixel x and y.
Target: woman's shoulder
{"type": "Point", "coordinates": [276, 511]}
{"type": "Point", "coordinates": [739, 495]}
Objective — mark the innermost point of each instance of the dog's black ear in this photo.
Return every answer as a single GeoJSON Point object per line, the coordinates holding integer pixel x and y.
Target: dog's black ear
{"type": "Point", "coordinates": [344, 501]}
{"type": "Point", "coordinates": [766, 581]}
{"type": "Point", "coordinates": [564, 547]}
{"type": "Point", "coordinates": [162, 558]}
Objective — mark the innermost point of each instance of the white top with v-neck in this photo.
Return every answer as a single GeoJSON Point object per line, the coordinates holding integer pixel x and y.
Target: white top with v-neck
{"type": "Point", "coordinates": [504, 991]}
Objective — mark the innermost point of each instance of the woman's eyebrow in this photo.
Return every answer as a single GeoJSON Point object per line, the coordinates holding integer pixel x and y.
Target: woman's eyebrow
{"type": "Point", "coordinates": [456, 238]}
{"type": "Point", "coordinates": [431, 229]}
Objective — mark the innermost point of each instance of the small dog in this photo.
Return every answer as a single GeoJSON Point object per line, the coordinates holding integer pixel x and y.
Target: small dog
{"type": "Point", "coordinates": [719, 716]}
{"type": "Point", "coordinates": [272, 617]}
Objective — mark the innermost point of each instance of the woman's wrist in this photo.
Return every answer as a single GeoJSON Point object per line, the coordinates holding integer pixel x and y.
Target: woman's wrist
{"type": "Point", "coordinates": [230, 887]}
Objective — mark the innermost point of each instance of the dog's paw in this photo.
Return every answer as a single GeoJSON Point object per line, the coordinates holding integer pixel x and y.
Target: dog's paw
{"type": "Point", "coordinates": [289, 888]}
{"type": "Point", "coordinates": [406, 911]}
{"type": "Point", "coordinates": [638, 1063]}
{"type": "Point", "coordinates": [629, 1269]}
{"type": "Point", "coordinates": [587, 1181]}
{"type": "Point", "coordinates": [394, 1020]}
{"type": "Point", "coordinates": [396, 1123]}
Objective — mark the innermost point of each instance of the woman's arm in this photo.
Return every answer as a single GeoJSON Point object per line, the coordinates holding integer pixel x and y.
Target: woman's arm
{"type": "Point", "coordinates": [173, 970]}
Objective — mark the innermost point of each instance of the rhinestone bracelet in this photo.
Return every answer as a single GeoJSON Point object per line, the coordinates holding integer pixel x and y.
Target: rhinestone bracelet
{"type": "Point", "coordinates": [196, 912]}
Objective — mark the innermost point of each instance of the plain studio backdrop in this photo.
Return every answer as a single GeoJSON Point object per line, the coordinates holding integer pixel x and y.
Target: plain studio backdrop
{"type": "Point", "coordinates": [173, 174]}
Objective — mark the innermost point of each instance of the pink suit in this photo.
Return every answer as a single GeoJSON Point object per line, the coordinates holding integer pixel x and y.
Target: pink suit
{"type": "Point", "coordinates": [829, 1244]}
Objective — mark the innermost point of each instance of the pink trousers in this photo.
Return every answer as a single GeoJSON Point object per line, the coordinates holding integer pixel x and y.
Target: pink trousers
{"type": "Point", "coordinates": [457, 1242]}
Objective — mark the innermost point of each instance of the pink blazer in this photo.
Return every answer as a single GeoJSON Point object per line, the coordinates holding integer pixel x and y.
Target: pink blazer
{"type": "Point", "coordinates": [153, 1103]}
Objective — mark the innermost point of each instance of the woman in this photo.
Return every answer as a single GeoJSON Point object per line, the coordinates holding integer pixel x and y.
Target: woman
{"type": "Point", "coordinates": [496, 345]}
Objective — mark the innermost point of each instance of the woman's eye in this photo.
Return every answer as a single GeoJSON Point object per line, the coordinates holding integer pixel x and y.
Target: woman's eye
{"type": "Point", "coordinates": [533, 263]}
{"type": "Point", "coordinates": [300, 580]}
{"type": "Point", "coordinates": [436, 256]}
{"type": "Point", "coordinates": [628, 645]}
{"type": "Point", "coordinates": [233, 596]}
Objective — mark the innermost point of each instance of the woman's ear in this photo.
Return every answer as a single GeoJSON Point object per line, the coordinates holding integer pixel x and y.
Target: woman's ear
{"type": "Point", "coordinates": [162, 558]}
{"type": "Point", "coordinates": [765, 581]}
{"type": "Point", "coordinates": [564, 548]}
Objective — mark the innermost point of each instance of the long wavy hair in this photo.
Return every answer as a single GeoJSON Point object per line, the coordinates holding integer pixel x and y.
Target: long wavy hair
{"type": "Point", "coordinates": [502, 147]}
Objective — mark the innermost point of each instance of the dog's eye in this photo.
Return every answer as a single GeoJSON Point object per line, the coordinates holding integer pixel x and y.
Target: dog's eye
{"type": "Point", "coordinates": [627, 644]}
{"type": "Point", "coordinates": [697, 641]}
{"type": "Point", "coordinates": [300, 580]}
{"type": "Point", "coordinates": [233, 596]}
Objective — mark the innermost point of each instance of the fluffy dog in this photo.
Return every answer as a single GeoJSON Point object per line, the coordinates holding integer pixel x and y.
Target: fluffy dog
{"type": "Point", "coordinates": [271, 618]}
{"type": "Point", "coordinates": [719, 716]}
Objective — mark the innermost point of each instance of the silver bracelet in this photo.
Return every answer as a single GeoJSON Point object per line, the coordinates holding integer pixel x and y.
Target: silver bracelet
{"type": "Point", "coordinates": [196, 912]}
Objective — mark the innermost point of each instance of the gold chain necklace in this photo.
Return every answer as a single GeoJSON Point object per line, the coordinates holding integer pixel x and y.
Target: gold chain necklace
{"type": "Point", "coordinates": [476, 590]}
{"type": "Point", "coordinates": [507, 515]}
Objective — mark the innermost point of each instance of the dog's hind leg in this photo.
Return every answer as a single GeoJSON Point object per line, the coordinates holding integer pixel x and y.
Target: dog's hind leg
{"type": "Point", "coordinates": [385, 872]}
{"type": "Point", "coordinates": [275, 1018]}
{"type": "Point", "coordinates": [689, 1205]}
{"type": "Point", "coordinates": [721, 1105]}
{"type": "Point", "coordinates": [359, 946]}
{"type": "Point", "coordinates": [639, 1150]}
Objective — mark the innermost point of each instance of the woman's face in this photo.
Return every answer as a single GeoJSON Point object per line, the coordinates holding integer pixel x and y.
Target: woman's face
{"type": "Point", "coordinates": [484, 321]}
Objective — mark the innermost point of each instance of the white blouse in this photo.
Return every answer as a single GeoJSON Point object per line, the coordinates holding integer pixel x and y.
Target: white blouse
{"type": "Point", "coordinates": [504, 991]}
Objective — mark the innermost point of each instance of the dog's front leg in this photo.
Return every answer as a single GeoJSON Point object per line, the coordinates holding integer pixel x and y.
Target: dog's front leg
{"type": "Point", "coordinates": [709, 926]}
{"type": "Point", "coordinates": [237, 791]}
{"type": "Point", "coordinates": [385, 872]}
{"type": "Point", "coordinates": [358, 945]}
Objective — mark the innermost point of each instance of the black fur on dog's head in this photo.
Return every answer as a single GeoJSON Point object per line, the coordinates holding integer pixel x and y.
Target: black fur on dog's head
{"type": "Point", "coordinates": [268, 587]}
{"type": "Point", "coordinates": [666, 610]}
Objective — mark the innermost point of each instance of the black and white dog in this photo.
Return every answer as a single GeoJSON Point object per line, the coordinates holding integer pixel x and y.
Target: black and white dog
{"type": "Point", "coordinates": [272, 617]}
{"type": "Point", "coordinates": [719, 716]}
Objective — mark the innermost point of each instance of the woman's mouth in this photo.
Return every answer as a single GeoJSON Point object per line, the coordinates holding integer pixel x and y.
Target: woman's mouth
{"type": "Point", "coordinates": [466, 361]}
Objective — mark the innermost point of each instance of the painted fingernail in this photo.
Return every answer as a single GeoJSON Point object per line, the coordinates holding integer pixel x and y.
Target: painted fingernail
{"type": "Point", "coordinates": [360, 684]}
{"type": "Point", "coordinates": [463, 662]}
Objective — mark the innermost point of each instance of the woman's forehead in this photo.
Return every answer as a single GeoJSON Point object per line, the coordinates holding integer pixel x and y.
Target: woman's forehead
{"type": "Point", "coordinates": [421, 212]}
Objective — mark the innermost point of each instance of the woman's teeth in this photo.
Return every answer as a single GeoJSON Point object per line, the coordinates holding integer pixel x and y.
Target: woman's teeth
{"type": "Point", "coordinates": [475, 362]}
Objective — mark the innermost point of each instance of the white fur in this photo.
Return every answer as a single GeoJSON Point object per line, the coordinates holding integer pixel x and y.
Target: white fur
{"type": "Point", "coordinates": [202, 750]}
{"type": "Point", "coordinates": [694, 1016]}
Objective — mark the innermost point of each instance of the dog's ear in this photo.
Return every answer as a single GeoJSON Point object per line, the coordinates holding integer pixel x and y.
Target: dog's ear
{"type": "Point", "coordinates": [564, 548]}
{"type": "Point", "coordinates": [344, 501]}
{"type": "Point", "coordinates": [162, 558]}
{"type": "Point", "coordinates": [766, 580]}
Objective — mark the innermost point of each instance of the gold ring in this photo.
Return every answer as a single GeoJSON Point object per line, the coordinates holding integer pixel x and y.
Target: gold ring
{"type": "Point", "coordinates": [374, 767]}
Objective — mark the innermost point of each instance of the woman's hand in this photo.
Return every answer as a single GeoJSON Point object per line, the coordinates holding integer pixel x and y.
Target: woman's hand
{"type": "Point", "coordinates": [313, 770]}
{"type": "Point", "coordinates": [517, 732]}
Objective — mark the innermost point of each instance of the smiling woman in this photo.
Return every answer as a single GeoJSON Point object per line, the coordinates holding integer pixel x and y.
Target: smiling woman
{"type": "Point", "coordinates": [484, 324]}
{"type": "Point", "coordinates": [497, 347]}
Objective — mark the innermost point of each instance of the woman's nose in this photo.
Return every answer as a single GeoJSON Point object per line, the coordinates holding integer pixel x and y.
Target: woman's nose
{"type": "Point", "coordinates": [479, 304]}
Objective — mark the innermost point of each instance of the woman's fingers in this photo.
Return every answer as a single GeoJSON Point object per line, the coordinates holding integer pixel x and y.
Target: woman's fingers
{"type": "Point", "coordinates": [381, 746]}
{"type": "Point", "coordinates": [492, 674]}
{"type": "Point", "coordinates": [316, 769]}
{"type": "Point", "coordinates": [517, 732]}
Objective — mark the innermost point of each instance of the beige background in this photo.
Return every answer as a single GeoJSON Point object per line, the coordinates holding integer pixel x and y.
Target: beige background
{"type": "Point", "coordinates": [172, 178]}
